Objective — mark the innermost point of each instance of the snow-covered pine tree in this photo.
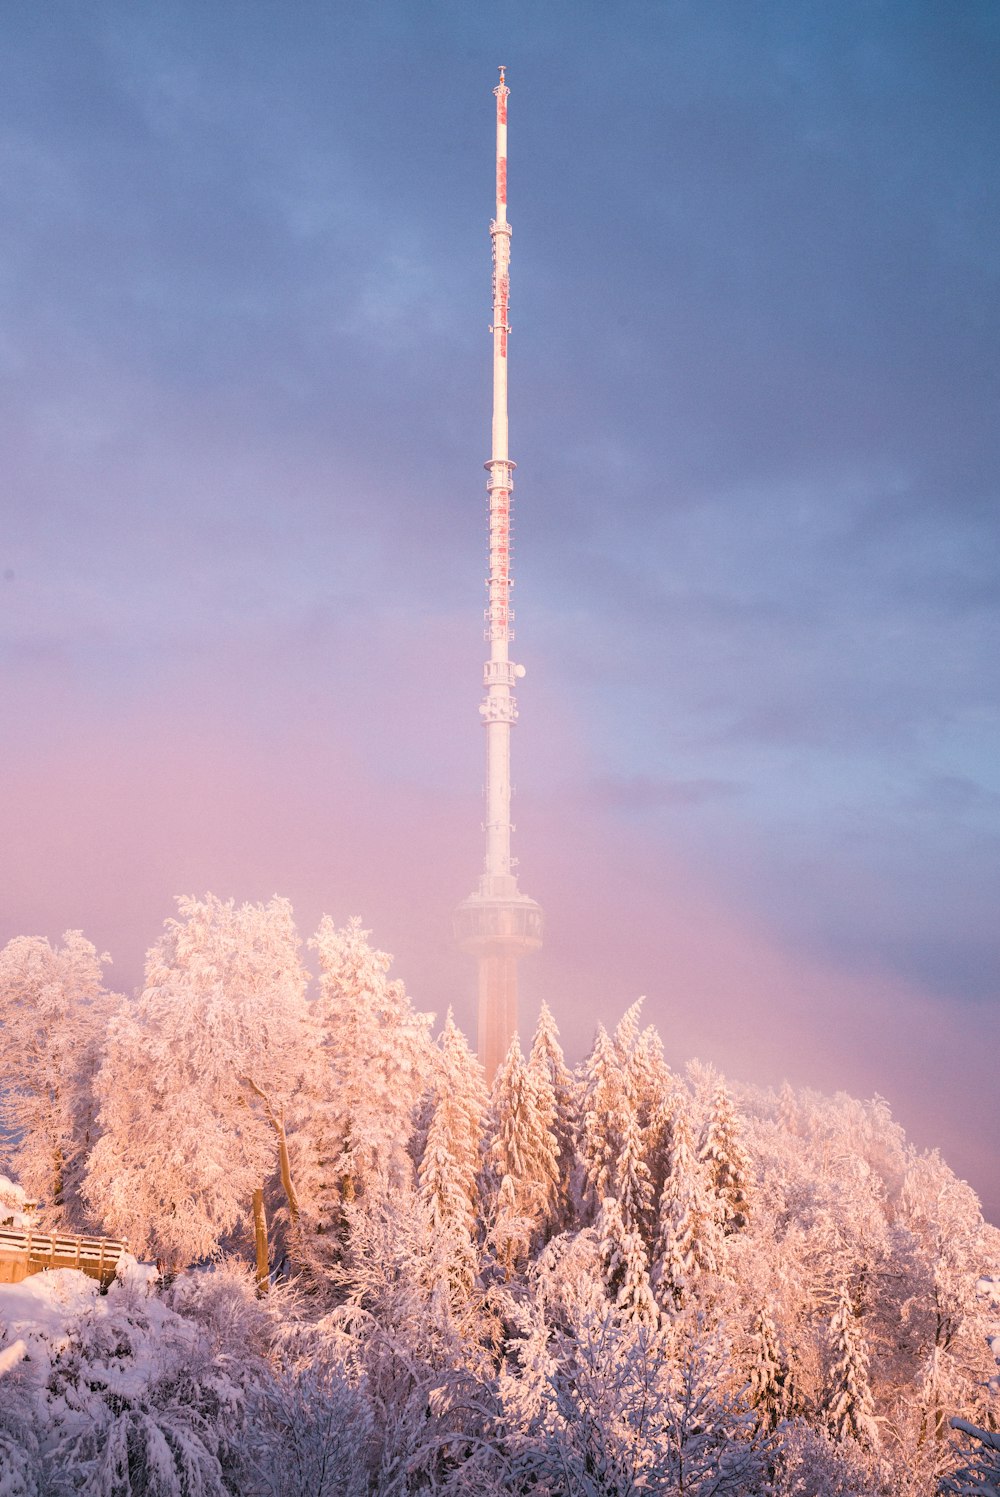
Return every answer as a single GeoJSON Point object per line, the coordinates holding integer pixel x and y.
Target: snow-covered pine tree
{"type": "Point", "coordinates": [632, 1183]}
{"type": "Point", "coordinates": [372, 1061]}
{"type": "Point", "coordinates": [598, 1136]}
{"type": "Point", "coordinates": [645, 1075]}
{"type": "Point", "coordinates": [689, 1236]}
{"type": "Point", "coordinates": [652, 1080]}
{"type": "Point", "coordinates": [609, 1230]}
{"type": "Point", "coordinates": [556, 1101]}
{"type": "Point", "coordinates": [657, 1139]}
{"type": "Point", "coordinates": [449, 1166]}
{"type": "Point", "coordinates": [850, 1408]}
{"type": "Point", "coordinates": [627, 1033]}
{"type": "Point", "coordinates": [626, 1267]}
{"type": "Point", "coordinates": [725, 1160]}
{"type": "Point", "coordinates": [770, 1378]}
{"type": "Point", "coordinates": [509, 1233]}
{"type": "Point", "coordinates": [196, 1076]}
{"type": "Point", "coordinates": [631, 1177]}
{"type": "Point", "coordinates": [788, 1109]}
{"type": "Point", "coordinates": [54, 1013]}
{"type": "Point", "coordinates": [523, 1149]}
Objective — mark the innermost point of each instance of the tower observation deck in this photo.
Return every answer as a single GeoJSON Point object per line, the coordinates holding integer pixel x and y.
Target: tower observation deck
{"type": "Point", "coordinates": [497, 923]}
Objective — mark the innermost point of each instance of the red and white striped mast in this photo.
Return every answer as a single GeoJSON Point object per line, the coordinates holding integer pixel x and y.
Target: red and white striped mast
{"type": "Point", "coordinates": [497, 923]}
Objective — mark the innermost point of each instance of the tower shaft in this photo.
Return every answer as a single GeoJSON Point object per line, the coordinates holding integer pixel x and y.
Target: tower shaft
{"type": "Point", "coordinates": [499, 710]}
{"type": "Point", "coordinates": [497, 923]}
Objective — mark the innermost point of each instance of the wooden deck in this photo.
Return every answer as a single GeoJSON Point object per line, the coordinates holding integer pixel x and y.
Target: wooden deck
{"type": "Point", "coordinates": [27, 1251]}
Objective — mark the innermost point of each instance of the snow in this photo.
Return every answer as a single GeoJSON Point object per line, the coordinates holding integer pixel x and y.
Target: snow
{"type": "Point", "coordinates": [45, 1306]}
{"type": "Point", "coordinates": [988, 1289]}
{"type": "Point", "coordinates": [13, 1199]}
{"type": "Point", "coordinates": [11, 1355]}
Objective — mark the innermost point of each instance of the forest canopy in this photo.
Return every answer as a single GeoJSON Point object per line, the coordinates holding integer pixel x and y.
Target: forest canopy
{"type": "Point", "coordinates": [376, 1275]}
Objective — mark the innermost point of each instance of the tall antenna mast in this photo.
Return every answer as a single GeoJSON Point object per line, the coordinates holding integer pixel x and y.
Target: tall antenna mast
{"type": "Point", "coordinates": [497, 923]}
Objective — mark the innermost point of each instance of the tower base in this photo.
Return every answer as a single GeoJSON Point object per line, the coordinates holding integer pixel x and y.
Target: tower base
{"type": "Point", "coordinates": [498, 928]}
{"type": "Point", "coordinates": [497, 1007]}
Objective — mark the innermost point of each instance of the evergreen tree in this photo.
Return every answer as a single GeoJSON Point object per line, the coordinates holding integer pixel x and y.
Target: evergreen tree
{"type": "Point", "coordinates": [627, 1033]}
{"type": "Point", "coordinates": [770, 1379]}
{"type": "Point", "coordinates": [632, 1183]}
{"type": "Point", "coordinates": [652, 1081]}
{"type": "Point", "coordinates": [610, 1230]}
{"type": "Point", "coordinates": [523, 1149]}
{"type": "Point", "coordinates": [689, 1237]}
{"type": "Point", "coordinates": [788, 1109]}
{"type": "Point", "coordinates": [657, 1136]}
{"type": "Point", "coordinates": [645, 1075]}
{"type": "Point", "coordinates": [725, 1160]}
{"type": "Point", "coordinates": [849, 1405]}
{"type": "Point", "coordinates": [598, 1131]}
{"type": "Point", "coordinates": [625, 1267]}
{"type": "Point", "coordinates": [449, 1167]}
{"type": "Point", "coordinates": [556, 1091]}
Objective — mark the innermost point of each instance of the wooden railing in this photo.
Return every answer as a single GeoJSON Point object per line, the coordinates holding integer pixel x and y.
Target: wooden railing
{"type": "Point", "coordinates": [26, 1251]}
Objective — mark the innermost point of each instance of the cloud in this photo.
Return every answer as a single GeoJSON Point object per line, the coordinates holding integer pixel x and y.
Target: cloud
{"type": "Point", "coordinates": [639, 793]}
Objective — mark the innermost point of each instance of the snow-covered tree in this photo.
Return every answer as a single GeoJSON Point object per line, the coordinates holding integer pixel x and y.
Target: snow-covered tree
{"type": "Point", "coordinates": [788, 1109]}
{"type": "Point", "coordinates": [723, 1156]}
{"type": "Point", "coordinates": [523, 1152]}
{"type": "Point", "coordinates": [627, 1413]}
{"type": "Point", "coordinates": [626, 1268]}
{"type": "Point", "coordinates": [314, 1432]}
{"type": "Point", "coordinates": [196, 1077]}
{"type": "Point", "coordinates": [626, 1035]}
{"type": "Point", "coordinates": [524, 1381]}
{"type": "Point", "coordinates": [54, 1013]}
{"type": "Point", "coordinates": [373, 1059]}
{"type": "Point", "coordinates": [651, 1081]}
{"type": "Point", "coordinates": [450, 1163]}
{"type": "Point", "coordinates": [451, 1158]}
{"type": "Point", "coordinates": [567, 1278]}
{"type": "Point", "coordinates": [811, 1464]}
{"type": "Point", "coordinates": [689, 1235]}
{"type": "Point", "coordinates": [942, 1217]}
{"type": "Point", "coordinates": [770, 1378]}
{"type": "Point", "coordinates": [849, 1404]}
{"type": "Point", "coordinates": [598, 1128]}
{"type": "Point", "coordinates": [631, 1181]}
{"type": "Point", "coordinates": [657, 1136]}
{"type": "Point", "coordinates": [16, 1206]}
{"type": "Point", "coordinates": [556, 1092]}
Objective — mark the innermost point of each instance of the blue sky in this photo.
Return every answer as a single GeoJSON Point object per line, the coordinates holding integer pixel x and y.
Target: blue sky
{"type": "Point", "coordinates": [244, 283]}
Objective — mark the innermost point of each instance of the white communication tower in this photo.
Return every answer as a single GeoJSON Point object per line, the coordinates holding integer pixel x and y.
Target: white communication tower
{"type": "Point", "coordinates": [497, 923]}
